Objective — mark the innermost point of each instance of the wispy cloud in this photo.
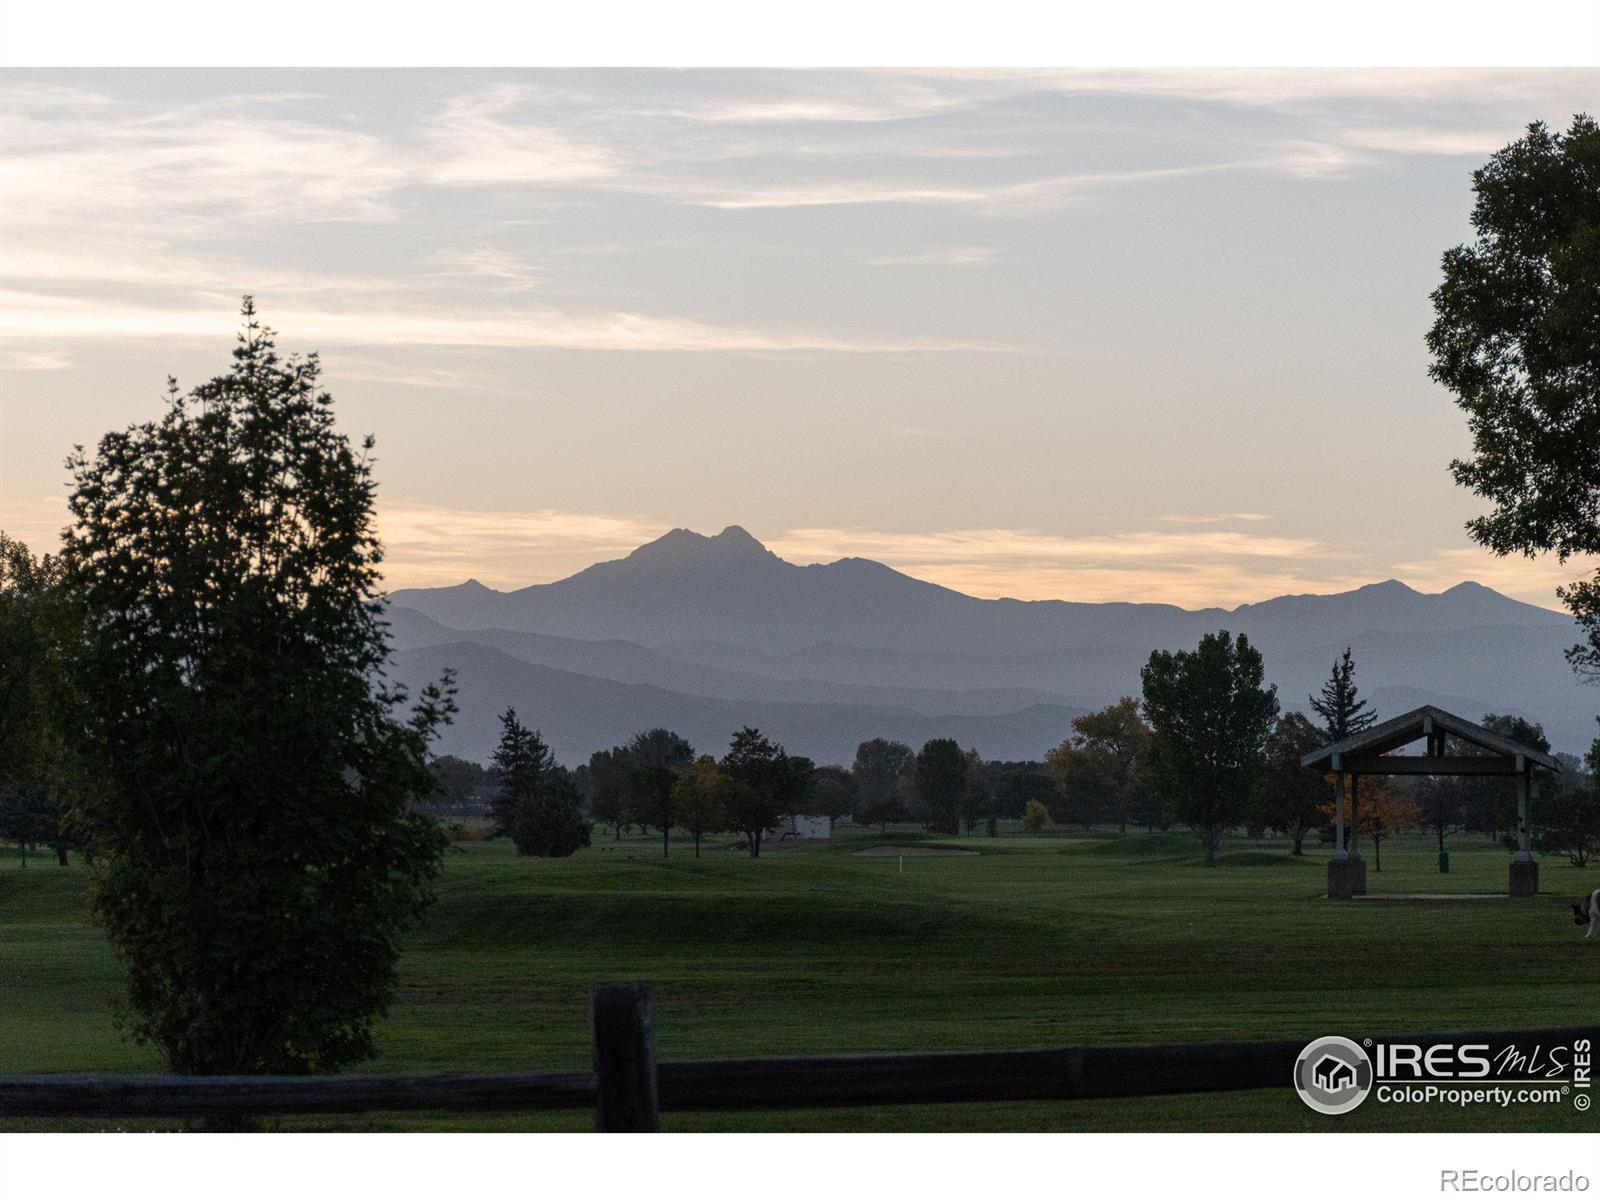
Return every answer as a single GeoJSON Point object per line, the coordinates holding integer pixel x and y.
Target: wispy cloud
{"type": "Point", "coordinates": [939, 256]}
{"type": "Point", "coordinates": [1269, 87]}
{"type": "Point", "coordinates": [16, 359]}
{"type": "Point", "coordinates": [501, 269]}
{"type": "Point", "coordinates": [479, 138]}
{"type": "Point", "coordinates": [1212, 518]}
{"type": "Point", "coordinates": [71, 153]}
{"type": "Point", "coordinates": [1190, 568]}
{"type": "Point", "coordinates": [1476, 143]}
{"type": "Point", "coordinates": [428, 546]}
{"type": "Point", "coordinates": [30, 315]}
{"type": "Point", "coordinates": [1027, 195]}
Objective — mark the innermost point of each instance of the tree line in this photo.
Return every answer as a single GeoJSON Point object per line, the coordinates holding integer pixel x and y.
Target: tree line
{"type": "Point", "coordinates": [1205, 747]}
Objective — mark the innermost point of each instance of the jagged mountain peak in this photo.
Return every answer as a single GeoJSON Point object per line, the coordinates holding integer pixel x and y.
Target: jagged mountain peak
{"type": "Point", "coordinates": [687, 546]}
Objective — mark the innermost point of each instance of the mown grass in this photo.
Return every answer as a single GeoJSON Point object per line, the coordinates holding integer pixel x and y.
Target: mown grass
{"type": "Point", "coordinates": [1036, 941]}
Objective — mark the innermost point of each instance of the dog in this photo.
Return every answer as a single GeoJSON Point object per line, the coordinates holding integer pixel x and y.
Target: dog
{"type": "Point", "coordinates": [1588, 913]}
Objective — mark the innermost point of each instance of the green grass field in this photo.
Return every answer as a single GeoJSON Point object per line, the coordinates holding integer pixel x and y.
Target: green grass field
{"type": "Point", "coordinates": [1037, 941]}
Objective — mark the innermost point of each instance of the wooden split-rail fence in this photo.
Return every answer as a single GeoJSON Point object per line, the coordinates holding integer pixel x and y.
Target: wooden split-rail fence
{"type": "Point", "coordinates": [628, 1089]}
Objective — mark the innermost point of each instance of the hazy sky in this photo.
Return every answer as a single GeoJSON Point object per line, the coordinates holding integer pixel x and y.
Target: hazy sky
{"type": "Point", "coordinates": [1096, 335]}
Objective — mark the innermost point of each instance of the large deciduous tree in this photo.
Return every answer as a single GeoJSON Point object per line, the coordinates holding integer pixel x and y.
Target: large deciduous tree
{"type": "Point", "coordinates": [1294, 797]}
{"type": "Point", "coordinates": [1441, 808]}
{"type": "Point", "coordinates": [700, 799]}
{"type": "Point", "coordinates": [1516, 337]}
{"type": "Point", "coordinates": [460, 784]}
{"type": "Point", "coordinates": [880, 767]}
{"type": "Point", "coordinates": [1568, 819]}
{"type": "Point", "coordinates": [974, 791]}
{"type": "Point", "coordinates": [1210, 717]}
{"type": "Point", "coordinates": [765, 785]}
{"type": "Point", "coordinates": [1084, 785]}
{"type": "Point", "coordinates": [40, 765]}
{"type": "Point", "coordinates": [658, 759]}
{"type": "Point", "coordinates": [831, 792]}
{"type": "Point", "coordinates": [1016, 783]}
{"type": "Point", "coordinates": [940, 778]}
{"type": "Point", "coordinates": [606, 784]}
{"type": "Point", "coordinates": [1115, 745]}
{"type": "Point", "coordinates": [1388, 809]}
{"type": "Point", "coordinates": [256, 846]}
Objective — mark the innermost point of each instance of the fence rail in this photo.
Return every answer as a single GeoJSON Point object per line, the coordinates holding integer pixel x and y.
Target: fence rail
{"type": "Point", "coordinates": [628, 1089]}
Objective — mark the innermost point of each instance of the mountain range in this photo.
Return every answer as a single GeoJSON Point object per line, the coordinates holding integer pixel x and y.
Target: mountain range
{"type": "Point", "coordinates": [704, 634]}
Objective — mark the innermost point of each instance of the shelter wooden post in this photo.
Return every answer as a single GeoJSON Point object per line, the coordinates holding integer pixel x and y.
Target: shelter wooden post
{"type": "Point", "coordinates": [1347, 876]}
{"type": "Point", "coordinates": [1355, 808]}
{"type": "Point", "coordinates": [1339, 852]}
{"type": "Point", "coordinates": [1524, 870]}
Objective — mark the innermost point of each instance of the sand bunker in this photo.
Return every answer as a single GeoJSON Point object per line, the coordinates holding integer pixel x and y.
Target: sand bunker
{"type": "Point", "coordinates": [915, 852]}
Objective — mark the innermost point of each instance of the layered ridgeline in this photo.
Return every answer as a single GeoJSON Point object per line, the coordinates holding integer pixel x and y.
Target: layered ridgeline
{"type": "Point", "coordinates": [704, 634]}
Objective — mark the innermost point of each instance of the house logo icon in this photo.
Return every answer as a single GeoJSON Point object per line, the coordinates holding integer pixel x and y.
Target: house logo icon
{"type": "Point", "coordinates": [1333, 1075]}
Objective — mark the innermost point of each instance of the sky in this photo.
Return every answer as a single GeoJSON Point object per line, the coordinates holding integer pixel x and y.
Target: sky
{"type": "Point", "coordinates": [1091, 335]}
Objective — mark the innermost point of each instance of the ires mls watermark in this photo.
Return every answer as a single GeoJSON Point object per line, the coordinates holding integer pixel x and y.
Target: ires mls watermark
{"type": "Point", "coordinates": [1335, 1075]}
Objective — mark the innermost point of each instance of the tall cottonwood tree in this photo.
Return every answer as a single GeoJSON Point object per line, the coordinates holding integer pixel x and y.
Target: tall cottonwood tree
{"type": "Point", "coordinates": [256, 849]}
{"type": "Point", "coordinates": [1210, 717]}
{"type": "Point", "coordinates": [1516, 337]}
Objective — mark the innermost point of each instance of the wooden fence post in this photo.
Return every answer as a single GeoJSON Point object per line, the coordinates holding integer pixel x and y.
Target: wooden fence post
{"type": "Point", "coordinates": [624, 1059]}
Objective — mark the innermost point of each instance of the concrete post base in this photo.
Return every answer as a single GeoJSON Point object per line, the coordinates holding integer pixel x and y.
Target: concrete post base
{"type": "Point", "coordinates": [1347, 878]}
{"type": "Point", "coordinates": [1524, 878]}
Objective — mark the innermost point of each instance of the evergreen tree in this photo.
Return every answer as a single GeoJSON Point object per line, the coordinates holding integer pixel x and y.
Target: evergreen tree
{"type": "Point", "coordinates": [1340, 707]}
{"type": "Point", "coordinates": [536, 802]}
